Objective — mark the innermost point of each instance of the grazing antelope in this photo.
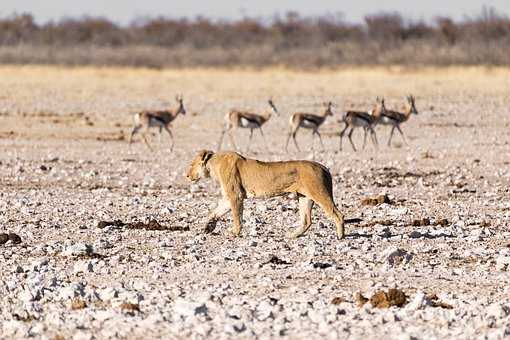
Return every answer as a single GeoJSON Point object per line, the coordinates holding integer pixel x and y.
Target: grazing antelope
{"type": "Point", "coordinates": [147, 119]}
{"type": "Point", "coordinates": [365, 120]}
{"type": "Point", "coordinates": [241, 119]}
{"type": "Point", "coordinates": [308, 121]}
{"type": "Point", "coordinates": [395, 118]}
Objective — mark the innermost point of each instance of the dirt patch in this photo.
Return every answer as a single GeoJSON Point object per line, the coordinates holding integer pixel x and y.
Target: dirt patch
{"type": "Point", "coordinates": [77, 304]}
{"type": "Point", "coordinates": [116, 223]}
{"type": "Point", "coordinates": [90, 255]}
{"type": "Point", "coordinates": [275, 260]}
{"type": "Point", "coordinates": [426, 221]}
{"type": "Point", "coordinates": [392, 177]}
{"type": "Point", "coordinates": [130, 308]}
{"type": "Point", "coordinates": [119, 137]}
{"type": "Point", "coordinates": [14, 238]}
{"type": "Point", "coordinates": [442, 222]}
{"type": "Point", "coordinates": [321, 265]}
{"type": "Point", "coordinates": [382, 299]}
{"type": "Point", "coordinates": [337, 300]}
{"type": "Point", "coordinates": [449, 125]}
{"type": "Point", "coordinates": [151, 225]}
{"type": "Point", "coordinates": [373, 201]}
{"type": "Point", "coordinates": [434, 299]}
{"type": "Point", "coordinates": [422, 222]}
{"type": "Point", "coordinates": [7, 134]}
{"type": "Point", "coordinates": [381, 222]}
{"type": "Point", "coordinates": [360, 299]}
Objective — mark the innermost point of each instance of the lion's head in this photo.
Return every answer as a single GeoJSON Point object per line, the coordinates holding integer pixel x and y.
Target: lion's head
{"type": "Point", "coordinates": [198, 169]}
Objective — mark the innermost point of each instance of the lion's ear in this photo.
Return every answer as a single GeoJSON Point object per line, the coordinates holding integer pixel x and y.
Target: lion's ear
{"type": "Point", "coordinates": [206, 156]}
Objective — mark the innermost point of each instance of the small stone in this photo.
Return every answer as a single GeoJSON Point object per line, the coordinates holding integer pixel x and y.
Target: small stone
{"type": "Point", "coordinates": [78, 303]}
{"type": "Point", "coordinates": [497, 310]}
{"type": "Point", "coordinates": [421, 222]}
{"type": "Point", "coordinates": [79, 249]}
{"type": "Point", "coordinates": [360, 299]}
{"type": "Point", "coordinates": [503, 263]}
{"type": "Point", "coordinates": [264, 311]}
{"type": "Point", "coordinates": [108, 294]}
{"type": "Point", "coordinates": [337, 300]}
{"type": "Point", "coordinates": [14, 238]}
{"type": "Point", "coordinates": [83, 267]}
{"type": "Point", "coordinates": [394, 297]}
{"type": "Point", "coordinates": [419, 301]}
{"type": "Point", "coordinates": [415, 234]}
{"type": "Point", "coordinates": [130, 308]}
{"type": "Point", "coordinates": [189, 308]}
{"type": "Point", "coordinates": [395, 256]}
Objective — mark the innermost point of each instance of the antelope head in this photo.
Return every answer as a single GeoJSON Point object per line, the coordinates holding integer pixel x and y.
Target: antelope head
{"type": "Point", "coordinates": [379, 107]}
{"type": "Point", "coordinates": [410, 101]}
{"type": "Point", "coordinates": [328, 111]}
{"type": "Point", "coordinates": [181, 108]}
{"type": "Point", "coordinates": [271, 104]}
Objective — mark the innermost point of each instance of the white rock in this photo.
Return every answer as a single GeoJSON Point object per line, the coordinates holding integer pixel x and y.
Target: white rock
{"type": "Point", "coordinates": [108, 293]}
{"type": "Point", "coordinates": [497, 310]}
{"type": "Point", "coordinates": [71, 291]}
{"type": "Point", "coordinates": [83, 267]}
{"type": "Point", "coordinates": [39, 264]}
{"type": "Point", "coordinates": [27, 295]}
{"type": "Point", "coordinates": [234, 327]}
{"type": "Point", "coordinates": [78, 249]}
{"type": "Point", "coordinates": [189, 308]}
{"type": "Point", "coordinates": [503, 263]}
{"type": "Point", "coordinates": [415, 234]}
{"type": "Point", "coordinates": [395, 256]}
{"type": "Point", "coordinates": [264, 311]}
{"type": "Point", "coordinates": [261, 207]}
{"type": "Point", "coordinates": [103, 315]}
{"type": "Point", "coordinates": [419, 301]}
{"type": "Point", "coordinates": [81, 335]}
{"type": "Point", "coordinates": [317, 316]}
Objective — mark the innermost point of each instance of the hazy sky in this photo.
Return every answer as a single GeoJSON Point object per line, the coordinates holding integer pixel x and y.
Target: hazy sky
{"type": "Point", "coordinates": [123, 11]}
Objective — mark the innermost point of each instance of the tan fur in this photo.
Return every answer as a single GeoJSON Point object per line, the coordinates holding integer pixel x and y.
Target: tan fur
{"type": "Point", "coordinates": [242, 178]}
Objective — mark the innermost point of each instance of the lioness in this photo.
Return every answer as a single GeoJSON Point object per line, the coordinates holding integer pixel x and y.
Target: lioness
{"type": "Point", "coordinates": [242, 178]}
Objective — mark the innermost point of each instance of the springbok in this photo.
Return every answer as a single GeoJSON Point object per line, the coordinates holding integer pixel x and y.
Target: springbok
{"type": "Point", "coordinates": [395, 118]}
{"type": "Point", "coordinates": [242, 119]}
{"type": "Point", "coordinates": [307, 121]}
{"type": "Point", "coordinates": [363, 119]}
{"type": "Point", "coordinates": [147, 119]}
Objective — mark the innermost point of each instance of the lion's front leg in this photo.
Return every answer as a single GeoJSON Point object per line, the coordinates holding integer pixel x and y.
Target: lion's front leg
{"type": "Point", "coordinates": [221, 209]}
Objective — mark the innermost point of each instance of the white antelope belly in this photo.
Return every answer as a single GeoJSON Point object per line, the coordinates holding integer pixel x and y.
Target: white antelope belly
{"type": "Point", "coordinates": [245, 123]}
{"type": "Point", "coordinates": [308, 124]}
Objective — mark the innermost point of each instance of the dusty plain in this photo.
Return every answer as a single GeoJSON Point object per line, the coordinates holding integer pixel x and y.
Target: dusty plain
{"type": "Point", "coordinates": [65, 165]}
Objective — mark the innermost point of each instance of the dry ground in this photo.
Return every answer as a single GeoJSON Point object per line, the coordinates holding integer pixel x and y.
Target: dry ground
{"type": "Point", "coordinates": [65, 165]}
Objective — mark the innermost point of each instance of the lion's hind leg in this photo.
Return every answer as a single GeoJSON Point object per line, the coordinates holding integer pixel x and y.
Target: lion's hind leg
{"type": "Point", "coordinates": [325, 201]}
{"type": "Point", "coordinates": [305, 212]}
{"type": "Point", "coordinates": [236, 204]}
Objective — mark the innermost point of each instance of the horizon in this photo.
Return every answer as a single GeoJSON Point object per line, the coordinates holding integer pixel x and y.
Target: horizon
{"type": "Point", "coordinates": [128, 11]}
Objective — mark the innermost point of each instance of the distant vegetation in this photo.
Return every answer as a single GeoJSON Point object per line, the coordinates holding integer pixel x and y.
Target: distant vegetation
{"type": "Point", "coordinates": [293, 41]}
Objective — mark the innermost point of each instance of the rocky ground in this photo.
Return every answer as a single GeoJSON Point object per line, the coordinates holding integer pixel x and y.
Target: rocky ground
{"type": "Point", "coordinates": [432, 256]}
